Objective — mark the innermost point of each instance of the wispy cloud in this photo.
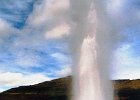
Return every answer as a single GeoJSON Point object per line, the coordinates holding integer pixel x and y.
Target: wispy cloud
{"type": "Point", "coordinates": [66, 71]}
{"type": "Point", "coordinates": [26, 56]}
{"type": "Point", "coordinates": [126, 64]}
{"type": "Point", "coordinates": [18, 79]}
{"type": "Point", "coordinates": [30, 60]}
{"type": "Point", "coordinates": [118, 10]}
{"type": "Point", "coordinates": [58, 32]}
{"type": "Point", "coordinates": [16, 12]}
{"type": "Point", "coordinates": [52, 12]}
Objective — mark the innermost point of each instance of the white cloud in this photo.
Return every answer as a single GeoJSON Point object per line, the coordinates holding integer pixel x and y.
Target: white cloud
{"type": "Point", "coordinates": [47, 10]}
{"type": "Point", "coordinates": [60, 57]}
{"type": "Point", "coordinates": [115, 6]}
{"type": "Point", "coordinates": [66, 71]}
{"type": "Point", "coordinates": [18, 79]}
{"type": "Point", "coordinates": [26, 60]}
{"type": "Point", "coordinates": [1, 89]}
{"type": "Point", "coordinates": [118, 10]}
{"type": "Point", "coordinates": [9, 77]}
{"type": "Point", "coordinates": [58, 31]}
{"type": "Point", "coordinates": [125, 65]}
{"type": "Point", "coordinates": [5, 28]}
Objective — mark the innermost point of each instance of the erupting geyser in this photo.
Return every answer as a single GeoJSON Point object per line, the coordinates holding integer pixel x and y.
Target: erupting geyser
{"type": "Point", "coordinates": [91, 49]}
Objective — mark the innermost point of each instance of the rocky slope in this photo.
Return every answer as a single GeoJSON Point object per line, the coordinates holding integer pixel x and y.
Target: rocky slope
{"type": "Point", "coordinates": [60, 89]}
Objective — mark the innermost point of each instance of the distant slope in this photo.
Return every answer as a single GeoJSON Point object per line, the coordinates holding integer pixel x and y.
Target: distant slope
{"type": "Point", "coordinates": [123, 84]}
{"type": "Point", "coordinates": [127, 89]}
{"type": "Point", "coordinates": [59, 89]}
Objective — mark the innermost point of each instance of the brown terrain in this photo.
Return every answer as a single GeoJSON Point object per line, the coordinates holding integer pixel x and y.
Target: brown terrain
{"type": "Point", "coordinates": [59, 89]}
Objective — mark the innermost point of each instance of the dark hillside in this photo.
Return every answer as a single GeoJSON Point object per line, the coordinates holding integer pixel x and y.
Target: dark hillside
{"type": "Point", "coordinates": [59, 89]}
{"type": "Point", "coordinates": [127, 89]}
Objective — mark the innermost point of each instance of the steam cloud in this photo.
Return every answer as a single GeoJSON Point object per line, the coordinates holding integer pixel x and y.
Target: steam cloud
{"type": "Point", "coordinates": [92, 50]}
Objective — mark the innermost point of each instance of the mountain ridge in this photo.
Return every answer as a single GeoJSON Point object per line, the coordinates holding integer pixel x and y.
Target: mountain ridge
{"type": "Point", "coordinates": [60, 89]}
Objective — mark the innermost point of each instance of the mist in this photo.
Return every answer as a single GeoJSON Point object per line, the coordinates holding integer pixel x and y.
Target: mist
{"type": "Point", "coordinates": [92, 46]}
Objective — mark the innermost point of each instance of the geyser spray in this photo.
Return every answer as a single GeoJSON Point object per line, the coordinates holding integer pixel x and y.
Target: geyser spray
{"type": "Point", "coordinates": [91, 48]}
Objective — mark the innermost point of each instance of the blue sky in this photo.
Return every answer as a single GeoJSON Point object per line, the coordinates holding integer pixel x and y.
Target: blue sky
{"type": "Point", "coordinates": [31, 52]}
{"type": "Point", "coordinates": [26, 57]}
